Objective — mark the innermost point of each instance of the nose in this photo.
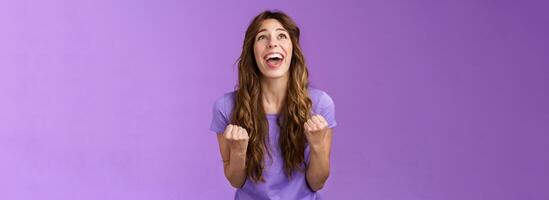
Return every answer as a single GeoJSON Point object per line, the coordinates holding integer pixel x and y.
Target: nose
{"type": "Point", "coordinates": [272, 44]}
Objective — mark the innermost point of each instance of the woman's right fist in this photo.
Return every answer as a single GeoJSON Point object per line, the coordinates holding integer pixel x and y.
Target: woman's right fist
{"type": "Point", "coordinates": [237, 137]}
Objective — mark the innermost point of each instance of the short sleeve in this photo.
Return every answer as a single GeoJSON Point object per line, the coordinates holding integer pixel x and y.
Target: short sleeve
{"type": "Point", "coordinates": [326, 108]}
{"type": "Point", "coordinates": [220, 120]}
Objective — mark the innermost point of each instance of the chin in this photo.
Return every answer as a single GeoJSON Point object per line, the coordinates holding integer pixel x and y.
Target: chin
{"type": "Point", "coordinates": [274, 75]}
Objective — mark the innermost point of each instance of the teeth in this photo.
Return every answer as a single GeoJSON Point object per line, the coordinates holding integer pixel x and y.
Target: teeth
{"type": "Point", "coordinates": [274, 55]}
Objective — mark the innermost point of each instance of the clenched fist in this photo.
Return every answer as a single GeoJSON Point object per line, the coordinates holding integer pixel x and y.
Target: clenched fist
{"type": "Point", "coordinates": [237, 137]}
{"type": "Point", "coordinates": [316, 130]}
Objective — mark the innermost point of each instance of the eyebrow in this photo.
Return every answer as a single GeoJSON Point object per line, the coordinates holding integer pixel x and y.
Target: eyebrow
{"type": "Point", "coordinates": [278, 29]}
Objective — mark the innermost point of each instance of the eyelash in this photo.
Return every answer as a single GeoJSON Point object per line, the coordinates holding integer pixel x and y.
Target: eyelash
{"type": "Point", "coordinates": [262, 36]}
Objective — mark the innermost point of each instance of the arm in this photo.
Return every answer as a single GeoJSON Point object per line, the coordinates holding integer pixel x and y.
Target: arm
{"type": "Point", "coordinates": [319, 137]}
{"type": "Point", "coordinates": [233, 145]}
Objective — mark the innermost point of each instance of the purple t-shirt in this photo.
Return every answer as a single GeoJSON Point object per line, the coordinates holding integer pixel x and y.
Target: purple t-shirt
{"type": "Point", "coordinates": [277, 185]}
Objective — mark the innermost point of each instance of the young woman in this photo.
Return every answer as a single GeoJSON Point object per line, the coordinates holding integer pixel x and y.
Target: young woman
{"type": "Point", "coordinates": [274, 131]}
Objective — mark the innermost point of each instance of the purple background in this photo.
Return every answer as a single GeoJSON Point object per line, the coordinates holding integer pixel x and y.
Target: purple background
{"type": "Point", "coordinates": [434, 99]}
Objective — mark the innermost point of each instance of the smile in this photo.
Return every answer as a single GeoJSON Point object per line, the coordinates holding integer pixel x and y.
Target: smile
{"type": "Point", "coordinates": [274, 60]}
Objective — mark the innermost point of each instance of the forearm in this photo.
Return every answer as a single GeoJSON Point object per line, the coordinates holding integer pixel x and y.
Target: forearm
{"type": "Point", "coordinates": [318, 168]}
{"type": "Point", "coordinates": [235, 171]}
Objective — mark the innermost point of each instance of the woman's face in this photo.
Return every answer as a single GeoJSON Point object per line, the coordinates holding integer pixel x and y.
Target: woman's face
{"type": "Point", "coordinates": [273, 49]}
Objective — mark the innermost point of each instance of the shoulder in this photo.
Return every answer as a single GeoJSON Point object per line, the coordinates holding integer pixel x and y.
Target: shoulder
{"type": "Point", "coordinates": [225, 103]}
{"type": "Point", "coordinates": [320, 99]}
{"type": "Point", "coordinates": [226, 98]}
{"type": "Point", "coordinates": [323, 105]}
{"type": "Point", "coordinates": [222, 109]}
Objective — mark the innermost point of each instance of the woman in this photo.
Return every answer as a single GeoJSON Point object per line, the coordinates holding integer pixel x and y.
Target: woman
{"type": "Point", "coordinates": [274, 131]}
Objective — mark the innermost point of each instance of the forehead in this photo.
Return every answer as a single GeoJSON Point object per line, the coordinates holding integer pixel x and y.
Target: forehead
{"type": "Point", "coordinates": [270, 25]}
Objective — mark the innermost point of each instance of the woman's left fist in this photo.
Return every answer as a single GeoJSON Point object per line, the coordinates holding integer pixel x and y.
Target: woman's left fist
{"type": "Point", "coordinates": [315, 130]}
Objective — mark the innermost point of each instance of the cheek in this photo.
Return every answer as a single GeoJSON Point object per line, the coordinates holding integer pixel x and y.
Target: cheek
{"type": "Point", "coordinates": [289, 51]}
{"type": "Point", "coordinates": [288, 47]}
{"type": "Point", "coordinates": [257, 53]}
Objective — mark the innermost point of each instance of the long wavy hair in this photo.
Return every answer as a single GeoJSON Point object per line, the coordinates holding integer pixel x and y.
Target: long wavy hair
{"type": "Point", "coordinates": [249, 112]}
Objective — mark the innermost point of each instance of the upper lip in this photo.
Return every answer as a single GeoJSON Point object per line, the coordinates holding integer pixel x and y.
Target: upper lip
{"type": "Point", "coordinates": [273, 52]}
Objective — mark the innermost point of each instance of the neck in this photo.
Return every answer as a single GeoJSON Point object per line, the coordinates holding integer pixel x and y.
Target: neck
{"type": "Point", "coordinates": [274, 92]}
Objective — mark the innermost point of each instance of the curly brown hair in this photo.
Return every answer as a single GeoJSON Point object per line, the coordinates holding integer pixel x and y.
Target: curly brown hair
{"type": "Point", "coordinates": [250, 114]}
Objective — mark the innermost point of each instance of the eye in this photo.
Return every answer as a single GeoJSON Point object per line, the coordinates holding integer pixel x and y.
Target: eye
{"type": "Point", "coordinates": [261, 37]}
{"type": "Point", "coordinates": [282, 36]}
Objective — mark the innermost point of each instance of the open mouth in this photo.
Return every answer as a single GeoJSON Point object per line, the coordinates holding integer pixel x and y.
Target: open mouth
{"type": "Point", "coordinates": [274, 60]}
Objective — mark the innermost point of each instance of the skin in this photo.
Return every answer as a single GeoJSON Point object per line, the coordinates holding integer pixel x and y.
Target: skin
{"type": "Point", "coordinates": [233, 142]}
